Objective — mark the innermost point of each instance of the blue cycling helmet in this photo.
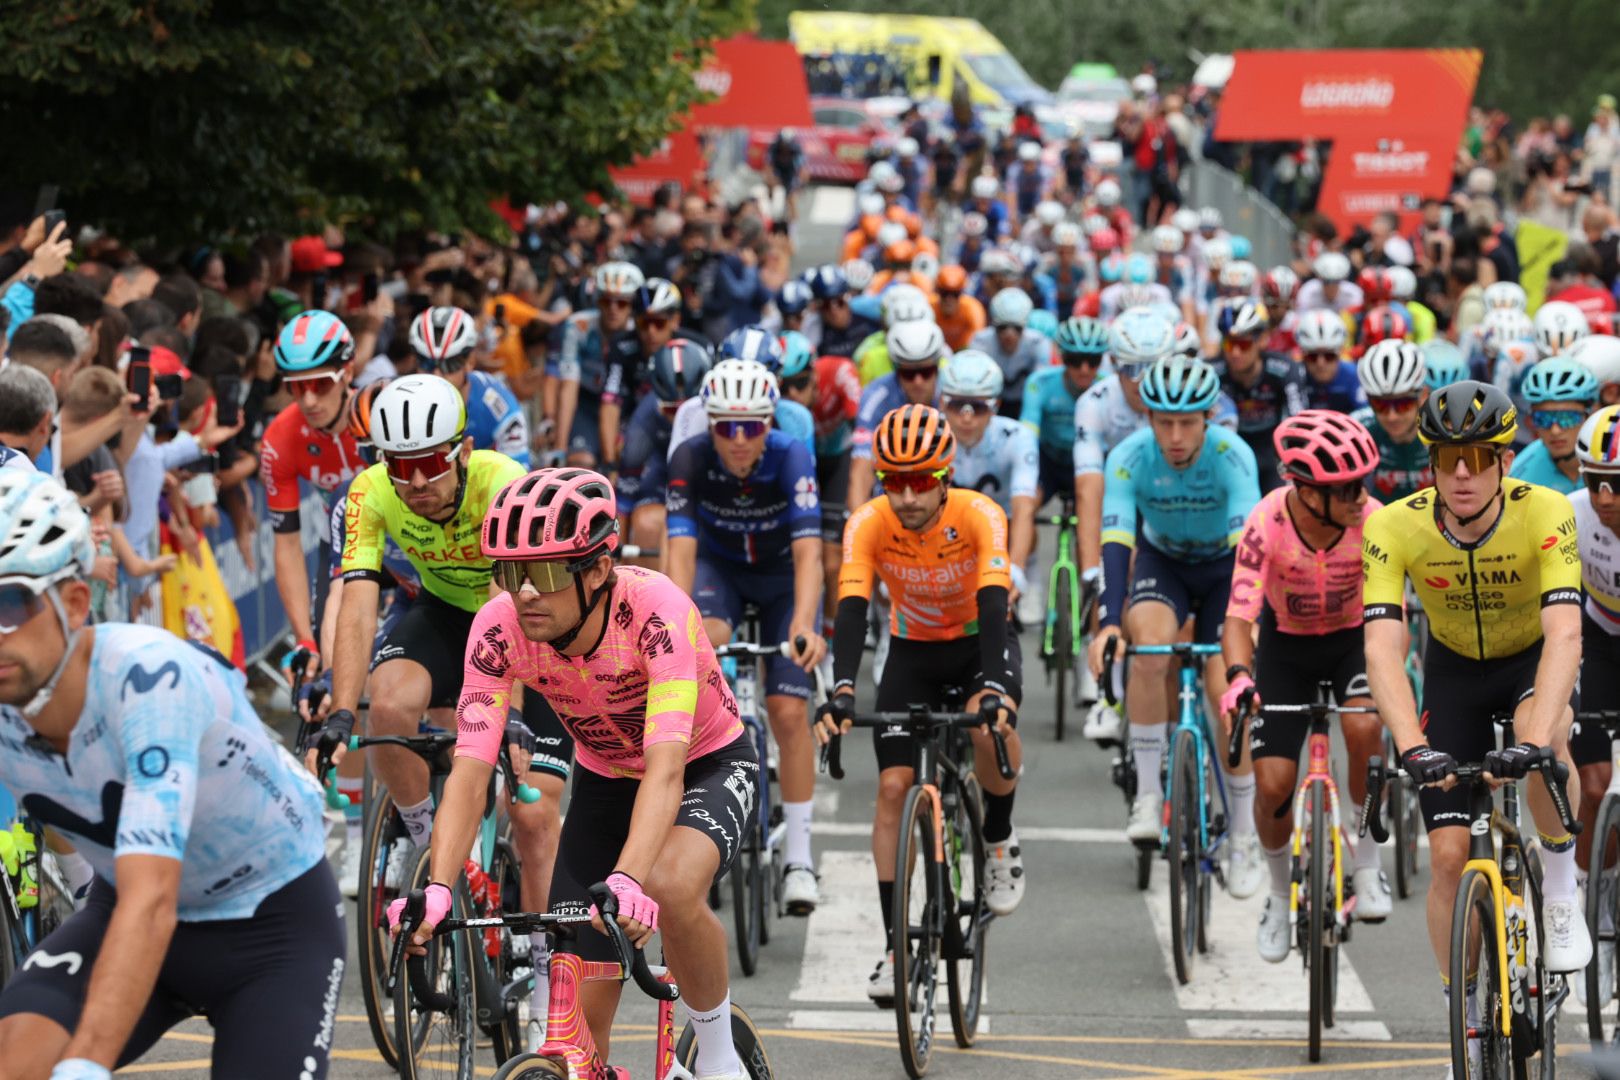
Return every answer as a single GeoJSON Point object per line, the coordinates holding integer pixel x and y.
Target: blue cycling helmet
{"type": "Point", "coordinates": [1138, 269]}
{"type": "Point", "coordinates": [752, 343]}
{"type": "Point", "coordinates": [313, 339]}
{"type": "Point", "coordinates": [1444, 363]}
{"type": "Point", "coordinates": [1241, 247]}
{"type": "Point", "coordinates": [797, 355]}
{"type": "Point", "coordinates": [1082, 334]}
{"type": "Point", "coordinates": [678, 370]}
{"type": "Point", "coordinates": [1558, 378]}
{"type": "Point", "coordinates": [1043, 322]}
{"type": "Point", "coordinates": [1111, 267]}
{"type": "Point", "coordinates": [794, 297]}
{"type": "Point", "coordinates": [826, 282]}
{"type": "Point", "coordinates": [970, 374]}
{"type": "Point", "coordinates": [1180, 385]}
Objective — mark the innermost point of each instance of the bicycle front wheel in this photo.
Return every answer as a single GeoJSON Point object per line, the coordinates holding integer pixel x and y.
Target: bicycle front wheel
{"type": "Point", "coordinates": [1602, 898]}
{"type": "Point", "coordinates": [382, 828]}
{"type": "Point", "coordinates": [436, 1045]}
{"type": "Point", "coordinates": [916, 940]}
{"type": "Point", "coordinates": [1318, 943]}
{"type": "Point", "coordinates": [533, 1067]}
{"type": "Point", "coordinates": [744, 1036]}
{"type": "Point", "coordinates": [1183, 854]}
{"type": "Point", "coordinates": [1407, 825]}
{"type": "Point", "coordinates": [748, 902]}
{"type": "Point", "coordinates": [965, 931]}
{"type": "Point", "coordinates": [1062, 643]}
{"type": "Point", "coordinates": [1473, 926]}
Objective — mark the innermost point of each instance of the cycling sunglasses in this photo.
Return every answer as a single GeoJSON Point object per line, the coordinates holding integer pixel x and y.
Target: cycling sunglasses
{"type": "Point", "coordinates": [970, 406]}
{"type": "Point", "coordinates": [657, 322]}
{"type": "Point", "coordinates": [668, 409]}
{"type": "Point", "coordinates": [836, 301]}
{"type": "Point", "coordinates": [1241, 342]}
{"type": "Point", "coordinates": [618, 303]}
{"type": "Point", "coordinates": [919, 483]}
{"type": "Point", "coordinates": [731, 429]}
{"type": "Point", "coordinates": [1557, 418]}
{"type": "Point", "coordinates": [1347, 491]}
{"type": "Point", "coordinates": [797, 383]}
{"type": "Point", "coordinates": [950, 294]}
{"type": "Point", "coordinates": [1596, 483]}
{"type": "Point", "coordinates": [1130, 370]}
{"type": "Point", "coordinates": [1082, 359]}
{"type": "Point", "coordinates": [1477, 457]}
{"type": "Point", "coordinates": [19, 603]}
{"type": "Point", "coordinates": [426, 365]}
{"type": "Point", "coordinates": [1321, 357]}
{"type": "Point", "coordinates": [1399, 404]}
{"type": "Point", "coordinates": [1008, 326]}
{"type": "Point", "coordinates": [915, 374]}
{"type": "Point", "coordinates": [543, 577]}
{"type": "Point", "coordinates": [320, 385]}
{"type": "Point", "coordinates": [432, 464]}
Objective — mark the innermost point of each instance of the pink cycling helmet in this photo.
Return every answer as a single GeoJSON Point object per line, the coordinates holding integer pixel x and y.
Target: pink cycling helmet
{"type": "Point", "coordinates": [553, 514]}
{"type": "Point", "coordinates": [1322, 447]}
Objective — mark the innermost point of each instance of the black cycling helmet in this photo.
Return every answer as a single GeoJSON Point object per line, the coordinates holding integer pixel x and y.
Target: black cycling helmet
{"type": "Point", "coordinates": [678, 370]}
{"type": "Point", "coordinates": [1467, 412]}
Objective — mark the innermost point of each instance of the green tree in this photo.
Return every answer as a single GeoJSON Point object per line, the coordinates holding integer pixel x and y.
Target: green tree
{"type": "Point", "coordinates": [185, 119]}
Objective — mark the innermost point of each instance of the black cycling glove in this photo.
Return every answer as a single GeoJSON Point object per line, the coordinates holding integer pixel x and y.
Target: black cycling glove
{"type": "Point", "coordinates": [1426, 765]}
{"type": "Point", "coordinates": [1513, 762]}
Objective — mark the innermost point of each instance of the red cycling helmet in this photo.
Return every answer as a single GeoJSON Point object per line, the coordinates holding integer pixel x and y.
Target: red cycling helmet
{"type": "Point", "coordinates": [1322, 447]}
{"type": "Point", "coordinates": [1381, 324]}
{"type": "Point", "coordinates": [562, 514]}
{"type": "Point", "coordinates": [1374, 286]}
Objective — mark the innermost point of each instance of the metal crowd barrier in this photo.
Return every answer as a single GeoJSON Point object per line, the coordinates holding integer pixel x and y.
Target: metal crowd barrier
{"type": "Point", "coordinates": [1243, 209]}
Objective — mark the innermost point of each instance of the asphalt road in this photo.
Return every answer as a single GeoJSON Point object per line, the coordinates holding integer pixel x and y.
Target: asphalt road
{"type": "Point", "coordinates": [1080, 981]}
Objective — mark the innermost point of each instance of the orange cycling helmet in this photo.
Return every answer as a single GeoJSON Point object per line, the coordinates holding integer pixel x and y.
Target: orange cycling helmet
{"type": "Point", "coordinates": [913, 438]}
{"type": "Point", "coordinates": [951, 279]}
{"type": "Point", "coordinates": [360, 411]}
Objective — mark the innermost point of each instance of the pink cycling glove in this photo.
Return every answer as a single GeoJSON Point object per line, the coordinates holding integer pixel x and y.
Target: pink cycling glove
{"type": "Point", "coordinates": [438, 906]}
{"type": "Point", "coordinates": [633, 903]}
{"type": "Point", "coordinates": [1229, 700]}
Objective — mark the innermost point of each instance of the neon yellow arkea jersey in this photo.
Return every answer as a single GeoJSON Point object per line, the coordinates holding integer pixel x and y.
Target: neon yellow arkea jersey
{"type": "Point", "coordinates": [1484, 599]}
{"type": "Point", "coordinates": [448, 555]}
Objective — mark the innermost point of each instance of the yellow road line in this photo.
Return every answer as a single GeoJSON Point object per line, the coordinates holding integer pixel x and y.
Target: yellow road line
{"type": "Point", "coordinates": [165, 1066]}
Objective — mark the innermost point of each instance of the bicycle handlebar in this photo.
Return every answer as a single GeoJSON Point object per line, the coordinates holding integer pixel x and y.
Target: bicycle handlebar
{"type": "Point", "coordinates": [1246, 711]}
{"type": "Point", "coordinates": [1183, 649]}
{"type": "Point", "coordinates": [831, 753]}
{"type": "Point", "coordinates": [1553, 773]}
{"type": "Point", "coordinates": [427, 747]}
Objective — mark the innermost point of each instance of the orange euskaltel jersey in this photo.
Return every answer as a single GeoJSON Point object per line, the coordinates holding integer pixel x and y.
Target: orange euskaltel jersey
{"type": "Point", "coordinates": [933, 576]}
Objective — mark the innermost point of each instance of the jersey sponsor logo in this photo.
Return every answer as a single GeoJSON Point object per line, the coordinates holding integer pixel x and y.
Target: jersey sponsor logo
{"type": "Point", "coordinates": [50, 961]}
{"type": "Point", "coordinates": [465, 720]}
{"type": "Point", "coordinates": [103, 833]}
{"type": "Point", "coordinates": [489, 653]}
{"type": "Point", "coordinates": [1548, 543]}
{"type": "Point", "coordinates": [623, 616]}
{"type": "Point", "coordinates": [1519, 492]}
{"type": "Point", "coordinates": [804, 492]}
{"type": "Point", "coordinates": [152, 762]}
{"type": "Point", "coordinates": [143, 680]}
{"type": "Point", "coordinates": [655, 638]}
{"type": "Point", "coordinates": [1374, 552]}
{"type": "Point", "coordinates": [495, 403]}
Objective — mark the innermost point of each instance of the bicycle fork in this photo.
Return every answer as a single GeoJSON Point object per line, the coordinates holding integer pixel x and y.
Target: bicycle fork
{"type": "Point", "coordinates": [1318, 774]}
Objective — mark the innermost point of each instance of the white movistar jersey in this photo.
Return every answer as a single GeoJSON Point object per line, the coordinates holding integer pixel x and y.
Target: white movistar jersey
{"type": "Point", "coordinates": [1103, 418]}
{"type": "Point", "coordinates": [1004, 464]}
{"type": "Point", "coordinates": [1600, 563]}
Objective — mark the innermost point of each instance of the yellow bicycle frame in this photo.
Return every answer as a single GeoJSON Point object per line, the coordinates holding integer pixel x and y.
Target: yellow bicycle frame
{"type": "Point", "coordinates": [1493, 872]}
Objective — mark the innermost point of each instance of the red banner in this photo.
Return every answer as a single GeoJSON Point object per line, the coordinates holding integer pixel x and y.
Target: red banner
{"type": "Point", "coordinates": [679, 158]}
{"type": "Point", "coordinates": [1394, 117]}
{"type": "Point", "coordinates": [756, 84]}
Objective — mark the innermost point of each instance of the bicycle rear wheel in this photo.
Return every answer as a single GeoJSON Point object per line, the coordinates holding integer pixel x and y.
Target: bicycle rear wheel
{"type": "Point", "coordinates": [1407, 826]}
{"type": "Point", "coordinates": [382, 828]}
{"type": "Point", "coordinates": [1603, 892]}
{"type": "Point", "coordinates": [748, 902]}
{"type": "Point", "coordinates": [1182, 855]}
{"type": "Point", "coordinates": [965, 932]}
{"type": "Point", "coordinates": [506, 872]}
{"type": "Point", "coordinates": [1318, 944]}
{"type": "Point", "coordinates": [435, 1045]}
{"type": "Point", "coordinates": [1473, 918]}
{"type": "Point", "coordinates": [1062, 659]}
{"type": "Point", "coordinates": [1553, 987]}
{"type": "Point", "coordinates": [916, 939]}
{"type": "Point", "coordinates": [744, 1036]}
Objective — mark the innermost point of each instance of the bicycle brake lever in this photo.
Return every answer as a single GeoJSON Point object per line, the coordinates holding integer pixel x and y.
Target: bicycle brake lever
{"type": "Point", "coordinates": [1372, 817]}
{"type": "Point", "coordinates": [1554, 773]}
{"type": "Point", "coordinates": [1234, 742]}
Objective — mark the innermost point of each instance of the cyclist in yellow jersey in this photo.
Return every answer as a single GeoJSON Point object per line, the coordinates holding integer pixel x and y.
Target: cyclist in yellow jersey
{"type": "Point", "coordinates": [430, 493]}
{"type": "Point", "coordinates": [1496, 566]}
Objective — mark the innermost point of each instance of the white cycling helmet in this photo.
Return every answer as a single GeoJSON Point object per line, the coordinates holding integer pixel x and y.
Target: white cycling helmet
{"type": "Point", "coordinates": [925, 264]}
{"type": "Point", "coordinates": [1093, 223]}
{"type": "Point", "coordinates": [619, 279]}
{"type": "Point", "coordinates": [881, 171]}
{"type": "Point", "coordinates": [1185, 219]}
{"type": "Point", "coordinates": [892, 184]}
{"type": "Point", "coordinates": [1140, 337]}
{"type": "Point", "coordinates": [871, 204]}
{"type": "Point", "coordinates": [1048, 211]}
{"type": "Point", "coordinates": [1502, 326]}
{"type": "Point", "coordinates": [1188, 341]}
{"type": "Point", "coordinates": [974, 225]}
{"type": "Point", "coordinates": [984, 187]}
{"type": "Point", "coordinates": [1029, 151]}
{"type": "Point", "coordinates": [1392, 368]}
{"type": "Point", "coordinates": [415, 413]}
{"type": "Point", "coordinates": [739, 390]}
{"type": "Point", "coordinates": [858, 274]}
{"type": "Point", "coordinates": [1011, 307]}
{"type": "Point", "coordinates": [907, 147]}
{"type": "Point", "coordinates": [1601, 355]}
{"type": "Point", "coordinates": [1331, 266]}
{"type": "Point", "coordinates": [1558, 325]}
{"type": "Point", "coordinates": [1209, 218]}
{"type": "Point", "coordinates": [891, 232]}
{"type": "Point", "coordinates": [443, 335]}
{"type": "Point", "coordinates": [1066, 234]}
{"type": "Point", "coordinates": [44, 532]}
{"type": "Point", "coordinates": [971, 374]}
{"type": "Point", "coordinates": [1167, 240]}
{"type": "Point", "coordinates": [998, 263]}
{"type": "Point", "coordinates": [1240, 274]}
{"type": "Point", "coordinates": [1320, 331]}
{"type": "Point", "coordinates": [1402, 282]}
{"type": "Point", "coordinates": [905, 303]}
{"type": "Point", "coordinates": [1217, 253]}
{"type": "Point", "coordinates": [1505, 295]}
{"type": "Point", "coordinates": [912, 344]}
{"type": "Point", "coordinates": [1108, 193]}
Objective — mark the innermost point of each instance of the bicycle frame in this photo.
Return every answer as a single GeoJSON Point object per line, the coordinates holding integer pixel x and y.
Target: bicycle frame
{"type": "Point", "coordinates": [1191, 718]}
{"type": "Point", "coordinates": [1063, 564]}
{"type": "Point", "coordinates": [1319, 772]}
{"type": "Point", "coordinates": [1482, 856]}
{"type": "Point", "coordinates": [568, 1036]}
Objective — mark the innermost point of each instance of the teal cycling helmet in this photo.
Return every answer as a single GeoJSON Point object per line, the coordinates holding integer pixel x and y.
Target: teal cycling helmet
{"type": "Point", "coordinates": [1558, 378]}
{"type": "Point", "coordinates": [1082, 334]}
{"type": "Point", "coordinates": [1180, 385]}
{"type": "Point", "coordinates": [1138, 269]}
{"type": "Point", "coordinates": [797, 355]}
{"type": "Point", "coordinates": [1241, 247]}
{"type": "Point", "coordinates": [1044, 323]}
{"type": "Point", "coordinates": [1110, 267]}
{"type": "Point", "coordinates": [970, 374]}
{"type": "Point", "coordinates": [313, 339]}
{"type": "Point", "coordinates": [1444, 363]}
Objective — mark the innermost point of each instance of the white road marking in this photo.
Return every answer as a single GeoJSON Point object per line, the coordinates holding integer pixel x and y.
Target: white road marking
{"type": "Point", "coordinates": [1344, 1030]}
{"type": "Point", "coordinates": [844, 935]}
{"type": "Point", "coordinates": [831, 206]}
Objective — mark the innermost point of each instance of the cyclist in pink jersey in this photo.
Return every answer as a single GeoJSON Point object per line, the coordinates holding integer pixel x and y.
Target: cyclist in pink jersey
{"type": "Point", "coordinates": [1298, 574]}
{"type": "Point", "coordinates": [665, 777]}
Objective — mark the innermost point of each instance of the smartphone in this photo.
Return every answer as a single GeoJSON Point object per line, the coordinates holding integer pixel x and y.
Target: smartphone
{"type": "Point", "coordinates": [317, 291]}
{"type": "Point", "coordinates": [500, 314]}
{"type": "Point", "coordinates": [370, 285]}
{"type": "Point", "coordinates": [53, 218]}
{"type": "Point", "coordinates": [228, 398]}
{"type": "Point", "coordinates": [45, 200]}
{"type": "Point", "coordinates": [168, 387]}
{"type": "Point", "coordinates": [138, 377]}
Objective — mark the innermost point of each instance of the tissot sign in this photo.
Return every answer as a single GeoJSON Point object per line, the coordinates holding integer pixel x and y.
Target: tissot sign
{"type": "Point", "coordinates": [1394, 115]}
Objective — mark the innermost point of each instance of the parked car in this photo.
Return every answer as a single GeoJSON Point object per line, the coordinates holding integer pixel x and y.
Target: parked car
{"type": "Point", "coordinates": [1089, 98]}
{"type": "Point", "coordinates": [835, 146]}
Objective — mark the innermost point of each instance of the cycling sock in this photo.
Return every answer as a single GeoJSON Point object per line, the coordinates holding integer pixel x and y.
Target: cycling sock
{"type": "Point", "coordinates": [1558, 868]}
{"type": "Point", "coordinates": [796, 844]}
{"type": "Point", "coordinates": [1240, 801]}
{"type": "Point", "coordinates": [998, 816]}
{"type": "Point", "coordinates": [716, 1052]}
{"type": "Point", "coordinates": [1278, 863]}
{"type": "Point", "coordinates": [418, 821]}
{"type": "Point", "coordinates": [886, 902]}
{"type": "Point", "coordinates": [1366, 856]}
{"type": "Point", "coordinates": [1147, 745]}
{"type": "Point", "coordinates": [77, 870]}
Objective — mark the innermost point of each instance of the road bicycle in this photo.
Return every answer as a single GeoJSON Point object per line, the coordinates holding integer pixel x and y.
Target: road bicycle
{"type": "Point", "coordinates": [941, 909]}
{"type": "Point", "coordinates": [1603, 887]}
{"type": "Point", "coordinates": [1496, 927]}
{"type": "Point", "coordinates": [1196, 811]}
{"type": "Point", "coordinates": [569, 1051]}
{"type": "Point", "coordinates": [34, 895]}
{"type": "Point", "coordinates": [756, 876]}
{"type": "Point", "coordinates": [1320, 907]}
{"type": "Point", "coordinates": [1068, 613]}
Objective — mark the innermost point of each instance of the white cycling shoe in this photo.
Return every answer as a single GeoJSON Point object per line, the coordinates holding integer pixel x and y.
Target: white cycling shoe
{"type": "Point", "coordinates": [1030, 609]}
{"type": "Point", "coordinates": [1145, 825]}
{"type": "Point", "coordinates": [1373, 901]}
{"type": "Point", "coordinates": [1103, 724]}
{"type": "Point", "coordinates": [880, 987]}
{"type": "Point", "coordinates": [1568, 947]}
{"type": "Point", "coordinates": [1085, 688]}
{"type": "Point", "coordinates": [1274, 930]}
{"type": "Point", "coordinates": [400, 857]}
{"type": "Point", "coordinates": [348, 873]}
{"type": "Point", "coordinates": [1004, 875]}
{"type": "Point", "coordinates": [1245, 867]}
{"type": "Point", "coordinates": [801, 890]}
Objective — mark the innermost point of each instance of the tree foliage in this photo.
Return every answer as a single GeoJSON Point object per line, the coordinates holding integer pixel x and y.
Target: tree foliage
{"type": "Point", "coordinates": [180, 119]}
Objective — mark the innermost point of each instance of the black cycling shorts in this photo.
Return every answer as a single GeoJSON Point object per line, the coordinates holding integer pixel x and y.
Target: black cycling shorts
{"type": "Point", "coordinates": [1199, 589]}
{"type": "Point", "coordinates": [832, 481]}
{"type": "Point", "coordinates": [434, 634]}
{"type": "Point", "coordinates": [268, 984]}
{"type": "Point", "coordinates": [1287, 668]}
{"type": "Point", "coordinates": [1600, 689]}
{"type": "Point", "coordinates": [722, 790]}
{"type": "Point", "coordinates": [920, 672]}
{"type": "Point", "coordinates": [1057, 477]}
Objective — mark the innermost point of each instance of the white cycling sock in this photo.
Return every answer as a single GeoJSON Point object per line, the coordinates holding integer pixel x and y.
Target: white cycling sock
{"type": "Point", "coordinates": [717, 1054]}
{"type": "Point", "coordinates": [1279, 863]}
{"type": "Point", "coordinates": [1366, 854]}
{"type": "Point", "coordinates": [1240, 801]}
{"type": "Point", "coordinates": [796, 843]}
{"type": "Point", "coordinates": [418, 821]}
{"type": "Point", "coordinates": [77, 870]}
{"type": "Point", "coordinates": [1147, 746]}
{"type": "Point", "coordinates": [1558, 869]}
